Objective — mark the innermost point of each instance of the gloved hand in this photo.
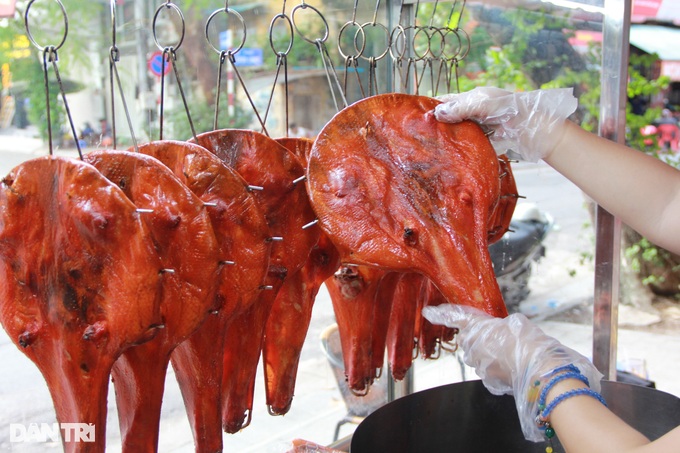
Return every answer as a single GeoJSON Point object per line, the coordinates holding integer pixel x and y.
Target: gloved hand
{"type": "Point", "coordinates": [510, 355]}
{"type": "Point", "coordinates": [528, 123]}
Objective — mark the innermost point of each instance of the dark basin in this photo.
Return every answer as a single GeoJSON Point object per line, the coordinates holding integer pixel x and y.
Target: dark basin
{"type": "Point", "coordinates": [465, 417]}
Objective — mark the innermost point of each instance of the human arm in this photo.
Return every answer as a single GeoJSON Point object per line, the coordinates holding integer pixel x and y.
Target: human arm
{"type": "Point", "coordinates": [639, 189]}
{"type": "Point", "coordinates": [512, 354]}
{"type": "Point", "coordinates": [584, 425]}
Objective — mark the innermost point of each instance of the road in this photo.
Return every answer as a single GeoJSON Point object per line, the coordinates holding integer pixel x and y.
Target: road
{"type": "Point", "coordinates": [559, 280]}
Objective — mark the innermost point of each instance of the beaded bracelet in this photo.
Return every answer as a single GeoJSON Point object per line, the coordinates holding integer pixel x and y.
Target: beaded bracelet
{"type": "Point", "coordinates": [542, 418]}
{"type": "Point", "coordinates": [555, 380]}
{"type": "Point", "coordinates": [533, 392]}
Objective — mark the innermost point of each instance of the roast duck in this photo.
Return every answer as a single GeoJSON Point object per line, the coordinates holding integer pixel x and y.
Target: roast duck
{"type": "Point", "coordinates": [196, 253]}
{"type": "Point", "coordinates": [395, 190]}
{"type": "Point", "coordinates": [266, 164]}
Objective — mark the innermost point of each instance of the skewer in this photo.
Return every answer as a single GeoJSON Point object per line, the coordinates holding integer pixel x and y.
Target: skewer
{"type": "Point", "coordinates": [275, 239]}
{"type": "Point", "coordinates": [257, 188]}
{"type": "Point", "coordinates": [209, 204]}
{"type": "Point", "coordinates": [266, 287]}
{"type": "Point", "coordinates": [167, 271]}
{"type": "Point", "coordinates": [310, 224]}
{"type": "Point", "coordinates": [227, 263]}
{"type": "Point", "coordinates": [300, 179]}
{"type": "Point", "coordinates": [144, 211]}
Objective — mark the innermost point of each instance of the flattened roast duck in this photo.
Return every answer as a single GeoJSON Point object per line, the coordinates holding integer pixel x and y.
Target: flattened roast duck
{"type": "Point", "coordinates": [395, 192]}
{"type": "Point", "coordinates": [396, 189]}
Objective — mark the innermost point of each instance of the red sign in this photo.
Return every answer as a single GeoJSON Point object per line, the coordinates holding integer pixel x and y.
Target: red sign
{"type": "Point", "coordinates": [646, 8]}
{"type": "Point", "coordinates": [7, 8]}
{"type": "Point", "coordinates": [155, 64]}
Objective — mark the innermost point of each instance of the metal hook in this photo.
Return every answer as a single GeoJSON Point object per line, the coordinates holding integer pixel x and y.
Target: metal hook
{"type": "Point", "coordinates": [114, 57]}
{"type": "Point", "coordinates": [28, 28]}
{"type": "Point", "coordinates": [168, 5]}
{"type": "Point", "coordinates": [387, 44]}
{"type": "Point", "coordinates": [228, 12]}
{"type": "Point", "coordinates": [375, 13]}
{"type": "Point", "coordinates": [303, 5]}
{"type": "Point", "coordinates": [434, 11]}
{"type": "Point", "coordinates": [460, 17]}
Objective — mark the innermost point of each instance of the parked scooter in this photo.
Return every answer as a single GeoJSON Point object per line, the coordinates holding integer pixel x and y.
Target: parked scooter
{"type": "Point", "coordinates": [513, 256]}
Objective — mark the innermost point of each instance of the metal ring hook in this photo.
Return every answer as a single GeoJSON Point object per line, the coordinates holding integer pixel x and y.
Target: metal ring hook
{"type": "Point", "coordinates": [28, 28]}
{"type": "Point", "coordinates": [420, 57]}
{"type": "Point", "coordinates": [467, 49]}
{"type": "Point", "coordinates": [398, 54]}
{"type": "Point", "coordinates": [442, 44]}
{"type": "Point", "coordinates": [281, 16]}
{"type": "Point", "coordinates": [227, 11]}
{"type": "Point", "coordinates": [359, 52]}
{"type": "Point", "coordinates": [303, 5]}
{"type": "Point", "coordinates": [168, 5]}
{"type": "Point", "coordinates": [387, 35]}
{"type": "Point", "coordinates": [458, 49]}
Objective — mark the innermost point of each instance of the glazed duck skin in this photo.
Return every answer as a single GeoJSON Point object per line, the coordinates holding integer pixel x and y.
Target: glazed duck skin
{"type": "Point", "coordinates": [288, 324]}
{"type": "Point", "coordinates": [182, 232]}
{"type": "Point", "coordinates": [401, 332]}
{"type": "Point", "coordinates": [292, 310]}
{"type": "Point", "coordinates": [353, 291]}
{"type": "Point", "coordinates": [81, 282]}
{"type": "Point", "coordinates": [394, 188]}
{"type": "Point", "coordinates": [263, 163]}
{"type": "Point", "coordinates": [241, 231]}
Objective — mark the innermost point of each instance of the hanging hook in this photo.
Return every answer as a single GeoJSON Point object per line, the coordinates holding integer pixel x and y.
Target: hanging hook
{"type": "Point", "coordinates": [30, 35]}
{"type": "Point", "coordinates": [49, 55]}
{"type": "Point", "coordinates": [281, 62]}
{"type": "Point", "coordinates": [175, 8]}
{"type": "Point", "coordinates": [114, 58]}
{"type": "Point", "coordinates": [434, 11]}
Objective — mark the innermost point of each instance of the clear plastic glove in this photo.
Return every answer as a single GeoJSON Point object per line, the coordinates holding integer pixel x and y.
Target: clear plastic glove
{"type": "Point", "coordinates": [528, 124]}
{"type": "Point", "coordinates": [510, 355]}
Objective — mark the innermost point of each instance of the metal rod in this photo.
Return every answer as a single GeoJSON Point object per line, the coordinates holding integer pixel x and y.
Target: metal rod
{"type": "Point", "coordinates": [615, 50]}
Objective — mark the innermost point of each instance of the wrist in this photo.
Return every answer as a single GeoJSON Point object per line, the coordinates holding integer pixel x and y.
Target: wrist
{"type": "Point", "coordinates": [562, 139]}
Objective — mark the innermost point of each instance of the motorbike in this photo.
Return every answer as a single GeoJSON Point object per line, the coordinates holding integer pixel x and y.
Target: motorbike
{"type": "Point", "coordinates": [514, 255]}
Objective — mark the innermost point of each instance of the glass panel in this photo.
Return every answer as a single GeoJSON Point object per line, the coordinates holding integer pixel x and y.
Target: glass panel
{"type": "Point", "coordinates": [435, 48]}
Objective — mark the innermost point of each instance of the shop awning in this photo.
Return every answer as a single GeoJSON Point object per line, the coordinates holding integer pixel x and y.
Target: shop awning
{"type": "Point", "coordinates": [657, 39]}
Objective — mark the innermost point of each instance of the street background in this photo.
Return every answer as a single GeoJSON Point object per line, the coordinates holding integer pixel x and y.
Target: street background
{"type": "Point", "coordinates": [562, 284]}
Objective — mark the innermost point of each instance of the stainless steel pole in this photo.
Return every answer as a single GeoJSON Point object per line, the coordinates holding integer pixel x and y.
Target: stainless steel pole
{"type": "Point", "coordinates": [615, 51]}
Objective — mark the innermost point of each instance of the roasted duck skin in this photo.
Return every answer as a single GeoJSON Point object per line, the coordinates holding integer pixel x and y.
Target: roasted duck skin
{"type": "Point", "coordinates": [394, 188]}
{"type": "Point", "coordinates": [288, 323]}
{"type": "Point", "coordinates": [291, 313]}
{"type": "Point", "coordinates": [182, 232]}
{"type": "Point", "coordinates": [500, 221]}
{"type": "Point", "coordinates": [237, 218]}
{"type": "Point", "coordinates": [353, 292]}
{"type": "Point", "coordinates": [430, 336]}
{"type": "Point", "coordinates": [401, 332]}
{"type": "Point", "coordinates": [81, 282]}
{"type": "Point", "coordinates": [265, 164]}
{"type": "Point", "coordinates": [242, 235]}
{"type": "Point", "coordinates": [381, 318]}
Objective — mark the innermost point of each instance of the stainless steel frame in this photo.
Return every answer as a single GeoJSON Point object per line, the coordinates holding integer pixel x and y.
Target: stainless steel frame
{"type": "Point", "coordinates": [615, 51]}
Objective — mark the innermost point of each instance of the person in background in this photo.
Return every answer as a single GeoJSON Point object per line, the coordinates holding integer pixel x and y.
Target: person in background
{"type": "Point", "coordinates": [668, 131]}
{"type": "Point", "coordinates": [297, 131]}
{"type": "Point", "coordinates": [556, 388]}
